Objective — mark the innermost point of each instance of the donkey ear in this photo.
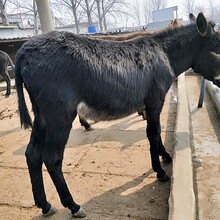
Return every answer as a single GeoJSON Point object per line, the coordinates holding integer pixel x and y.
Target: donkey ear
{"type": "Point", "coordinates": [175, 23]}
{"type": "Point", "coordinates": [202, 24]}
{"type": "Point", "coordinates": [170, 24]}
{"type": "Point", "coordinates": [192, 18]}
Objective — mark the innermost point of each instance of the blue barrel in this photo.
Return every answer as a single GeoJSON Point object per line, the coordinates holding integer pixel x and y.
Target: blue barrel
{"type": "Point", "coordinates": [91, 29]}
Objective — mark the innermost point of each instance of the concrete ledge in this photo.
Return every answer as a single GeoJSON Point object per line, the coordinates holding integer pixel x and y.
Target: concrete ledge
{"type": "Point", "coordinates": [182, 197]}
{"type": "Point", "coordinates": [214, 93]}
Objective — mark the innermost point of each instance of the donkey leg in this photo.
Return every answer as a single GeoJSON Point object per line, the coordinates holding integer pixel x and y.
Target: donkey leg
{"type": "Point", "coordinates": [56, 139]}
{"type": "Point", "coordinates": [162, 151]}
{"type": "Point", "coordinates": [6, 77]}
{"type": "Point", "coordinates": [202, 93]}
{"type": "Point", "coordinates": [153, 134]}
{"type": "Point", "coordinates": [84, 123]}
{"type": "Point", "coordinates": [34, 161]}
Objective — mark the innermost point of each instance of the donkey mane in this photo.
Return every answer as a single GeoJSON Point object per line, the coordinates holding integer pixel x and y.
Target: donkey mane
{"type": "Point", "coordinates": [176, 32]}
{"type": "Point", "coordinates": [212, 24]}
{"type": "Point", "coordinates": [182, 30]}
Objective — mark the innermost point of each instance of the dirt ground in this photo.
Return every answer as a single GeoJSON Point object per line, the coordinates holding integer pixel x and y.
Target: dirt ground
{"type": "Point", "coordinates": [108, 170]}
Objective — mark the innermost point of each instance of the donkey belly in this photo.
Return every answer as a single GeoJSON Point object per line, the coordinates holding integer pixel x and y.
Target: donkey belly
{"type": "Point", "coordinates": [103, 114]}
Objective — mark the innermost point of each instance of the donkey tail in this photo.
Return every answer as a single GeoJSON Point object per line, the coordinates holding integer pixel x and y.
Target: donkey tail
{"type": "Point", "coordinates": [10, 61]}
{"type": "Point", "coordinates": [25, 118]}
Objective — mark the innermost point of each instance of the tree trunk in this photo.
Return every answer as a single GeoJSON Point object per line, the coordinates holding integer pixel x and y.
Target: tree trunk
{"type": "Point", "coordinates": [99, 14]}
{"type": "Point", "coordinates": [88, 13]}
{"type": "Point", "coordinates": [3, 13]}
{"type": "Point", "coordinates": [104, 19]}
{"type": "Point", "coordinates": [76, 21]}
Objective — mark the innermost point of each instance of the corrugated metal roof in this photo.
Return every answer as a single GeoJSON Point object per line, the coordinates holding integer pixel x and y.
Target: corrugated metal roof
{"type": "Point", "coordinates": [14, 33]}
{"type": "Point", "coordinates": [8, 27]}
{"type": "Point", "coordinates": [14, 39]}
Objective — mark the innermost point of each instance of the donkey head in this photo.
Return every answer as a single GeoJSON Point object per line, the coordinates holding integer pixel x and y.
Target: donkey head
{"type": "Point", "coordinates": [207, 61]}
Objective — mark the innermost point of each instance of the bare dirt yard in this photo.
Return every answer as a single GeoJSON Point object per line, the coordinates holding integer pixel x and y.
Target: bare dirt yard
{"type": "Point", "coordinates": [108, 170]}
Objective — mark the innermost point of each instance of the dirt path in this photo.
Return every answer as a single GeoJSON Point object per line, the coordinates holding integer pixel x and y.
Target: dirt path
{"type": "Point", "coordinates": [205, 129]}
{"type": "Point", "coordinates": [108, 170]}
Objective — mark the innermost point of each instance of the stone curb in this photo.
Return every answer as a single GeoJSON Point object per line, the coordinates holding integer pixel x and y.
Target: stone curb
{"type": "Point", "coordinates": [214, 93]}
{"type": "Point", "coordinates": [182, 198]}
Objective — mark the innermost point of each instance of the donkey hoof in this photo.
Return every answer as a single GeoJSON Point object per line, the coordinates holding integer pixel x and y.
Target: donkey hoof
{"type": "Point", "coordinates": [165, 178]}
{"type": "Point", "coordinates": [80, 214]}
{"type": "Point", "coordinates": [89, 129]}
{"type": "Point", "coordinates": [6, 95]}
{"type": "Point", "coordinates": [52, 211]}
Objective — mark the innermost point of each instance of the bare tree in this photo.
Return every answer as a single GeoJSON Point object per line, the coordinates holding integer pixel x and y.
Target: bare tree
{"type": "Point", "coordinates": [88, 7]}
{"type": "Point", "coordinates": [158, 4]}
{"type": "Point", "coordinates": [150, 6]}
{"type": "Point", "coordinates": [26, 7]}
{"type": "Point", "coordinates": [189, 6]}
{"type": "Point", "coordinates": [147, 11]}
{"type": "Point", "coordinates": [199, 8]}
{"type": "Point", "coordinates": [113, 9]}
{"type": "Point", "coordinates": [104, 12]}
{"type": "Point", "coordinates": [211, 9]}
{"type": "Point", "coordinates": [21, 6]}
{"type": "Point", "coordinates": [99, 15]}
{"type": "Point", "coordinates": [3, 13]}
{"type": "Point", "coordinates": [137, 15]}
{"type": "Point", "coordinates": [91, 9]}
{"type": "Point", "coordinates": [71, 5]}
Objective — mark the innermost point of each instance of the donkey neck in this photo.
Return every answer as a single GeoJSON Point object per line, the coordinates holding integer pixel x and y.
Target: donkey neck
{"type": "Point", "coordinates": [181, 46]}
